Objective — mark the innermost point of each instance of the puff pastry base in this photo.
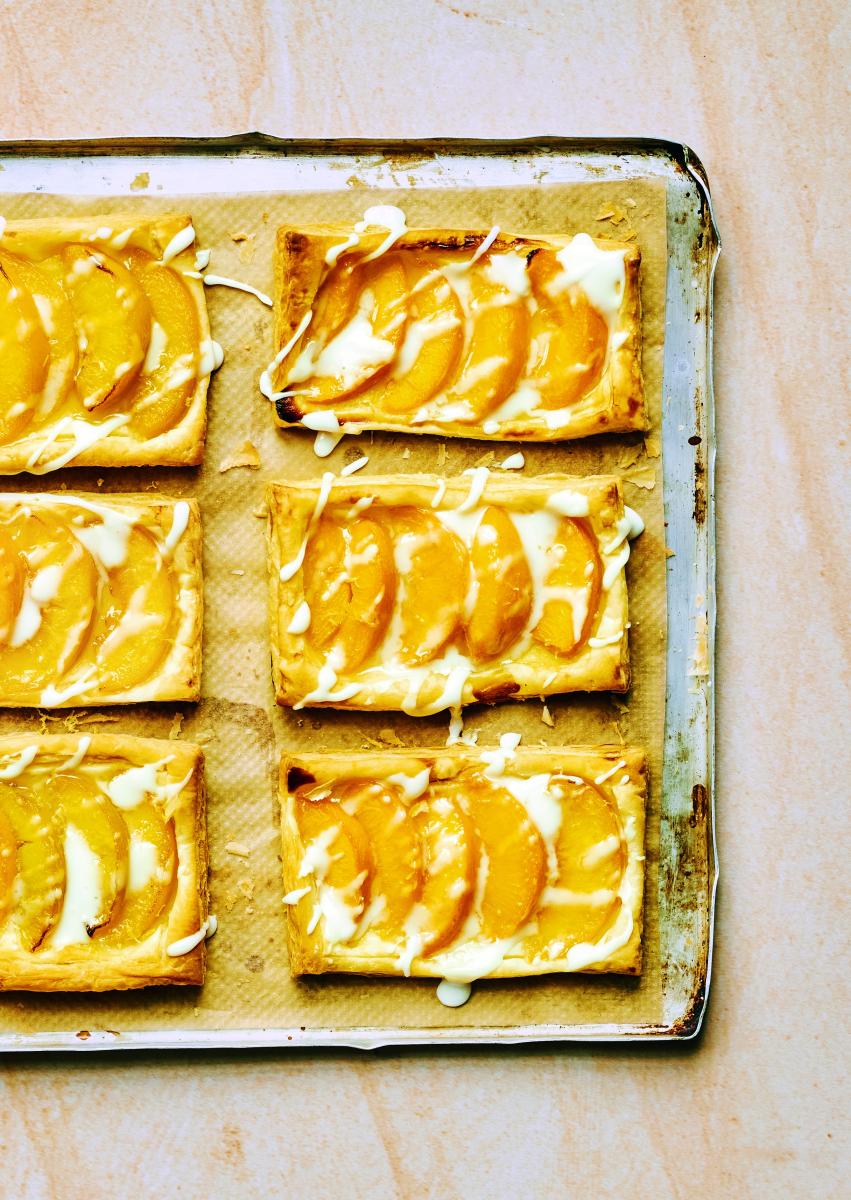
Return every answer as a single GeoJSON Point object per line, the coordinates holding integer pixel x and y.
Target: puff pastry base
{"type": "Point", "coordinates": [61, 430]}
{"type": "Point", "coordinates": [612, 402]}
{"type": "Point", "coordinates": [153, 889]}
{"type": "Point", "coordinates": [577, 815]}
{"type": "Point", "coordinates": [310, 674]}
{"type": "Point", "coordinates": [81, 622]}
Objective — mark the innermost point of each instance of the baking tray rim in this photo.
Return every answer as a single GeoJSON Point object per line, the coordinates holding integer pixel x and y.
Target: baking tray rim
{"type": "Point", "coordinates": [689, 1025]}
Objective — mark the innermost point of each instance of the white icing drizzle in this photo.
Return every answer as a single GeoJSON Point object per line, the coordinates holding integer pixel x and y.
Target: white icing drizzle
{"type": "Point", "coordinates": [357, 465]}
{"type": "Point", "coordinates": [179, 522]}
{"type": "Point", "coordinates": [334, 252]}
{"type": "Point", "coordinates": [614, 568]}
{"type": "Point", "coordinates": [129, 788]}
{"type": "Point", "coordinates": [326, 443]}
{"type": "Point", "coordinates": [385, 216]}
{"type": "Point", "coordinates": [480, 477]}
{"type": "Point", "coordinates": [18, 765]}
{"type": "Point", "coordinates": [224, 281]}
{"type": "Point", "coordinates": [156, 347]}
{"type": "Point", "coordinates": [294, 896]}
{"type": "Point", "coordinates": [37, 595]}
{"type": "Point", "coordinates": [82, 900]}
{"type": "Point", "coordinates": [568, 503]}
{"type": "Point", "coordinates": [598, 642]}
{"type": "Point", "coordinates": [212, 356]}
{"type": "Point", "coordinates": [600, 273]}
{"type": "Point", "coordinates": [453, 995]}
{"type": "Point", "coordinates": [608, 774]}
{"type": "Point", "coordinates": [440, 492]}
{"type": "Point", "coordinates": [496, 759]}
{"type": "Point", "coordinates": [266, 388]}
{"type": "Point", "coordinates": [412, 786]}
{"type": "Point", "coordinates": [85, 436]}
{"type": "Point", "coordinates": [53, 696]}
{"type": "Point", "coordinates": [202, 259]}
{"type": "Point", "coordinates": [289, 569]}
{"type": "Point", "coordinates": [188, 943]}
{"type": "Point", "coordinates": [321, 422]}
{"type": "Point", "coordinates": [514, 462]}
{"type": "Point", "coordinates": [77, 757]}
{"type": "Point", "coordinates": [356, 349]}
{"type": "Point", "coordinates": [323, 692]}
{"type": "Point", "coordinates": [181, 240]}
{"type": "Point", "coordinates": [510, 272]}
{"type": "Point", "coordinates": [301, 619]}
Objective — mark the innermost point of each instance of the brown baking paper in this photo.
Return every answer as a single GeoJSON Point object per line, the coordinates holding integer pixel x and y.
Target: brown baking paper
{"type": "Point", "coordinates": [237, 721]}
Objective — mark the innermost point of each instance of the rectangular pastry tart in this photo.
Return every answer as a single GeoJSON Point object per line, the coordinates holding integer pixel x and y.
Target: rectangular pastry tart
{"type": "Point", "coordinates": [464, 863]}
{"type": "Point", "coordinates": [100, 601]}
{"type": "Point", "coordinates": [105, 347]}
{"type": "Point", "coordinates": [420, 594]}
{"type": "Point", "coordinates": [103, 863]}
{"type": "Point", "coordinates": [442, 331]}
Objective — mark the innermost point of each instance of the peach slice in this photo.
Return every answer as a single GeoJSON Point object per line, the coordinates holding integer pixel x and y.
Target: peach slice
{"type": "Point", "coordinates": [8, 865]}
{"type": "Point", "coordinates": [394, 848]}
{"type": "Point", "coordinates": [517, 860]}
{"type": "Point", "coordinates": [57, 319]}
{"type": "Point", "coordinates": [591, 860]}
{"type": "Point", "coordinates": [40, 884]}
{"type": "Point", "coordinates": [104, 831]}
{"type": "Point", "coordinates": [576, 568]}
{"type": "Point", "coordinates": [569, 338]}
{"type": "Point", "coordinates": [63, 573]}
{"type": "Point", "coordinates": [502, 586]}
{"type": "Point", "coordinates": [337, 848]}
{"type": "Point", "coordinates": [169, 375]}
{"type": "Point", "coordinates": [24, 357]}
{"type": "Point", "coordinates": [429, 355]}
{"type": "Point", "coordinates": [113, 319]}
{"type": "Point", "coordinates": [12, 575]}
{"type": "Point", "coordinates": [495, 353]}
{"type": "Point", "coordinates": [350, 586]}
{"type": "Point", "coordinates": [450, 862]}
{"type": "Point", "coordinates": [131, 638]}
{"type": "Point", "coordinates": [152, 853]}
{"type": "Point", "coordinates": [434, 584]}
{"type": "Point", "coordinates": [354, 352]}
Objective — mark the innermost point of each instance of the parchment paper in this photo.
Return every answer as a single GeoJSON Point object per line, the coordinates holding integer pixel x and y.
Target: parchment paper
{"type": "Point", "coordinates": [238, 723]}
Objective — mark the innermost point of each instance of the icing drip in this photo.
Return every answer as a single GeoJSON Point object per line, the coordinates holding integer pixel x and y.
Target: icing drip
{"type": "Point", "coordinates": [187, 944]}
{"type": "Point", "coordinates": [289, 569]}
{"type": "Point", "coordinates": [181, 240]}
{"type": "Point", "coordinates": [223, 281]}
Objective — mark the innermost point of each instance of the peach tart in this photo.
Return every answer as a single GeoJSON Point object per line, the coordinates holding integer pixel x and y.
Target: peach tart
{"type": "Point", "coordinates": [105, 347]}
{"type": "Point", "coordinates": [422, 594]}
{"type": "Point", "coordinates": [103, 863]}
{"type": "Point", "coordinates": [464, 863]}
{"type": "Point", "coordinates": [467, 334]}
{"type": "Point", "coordinates": [100, 599]}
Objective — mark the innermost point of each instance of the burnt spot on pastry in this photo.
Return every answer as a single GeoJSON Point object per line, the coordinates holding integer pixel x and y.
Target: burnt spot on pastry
{"type": "Point", "coordinates": [297, 777]}
{"type": "Point", "coordinates": [288, 410]}
{"type": "Point", "coordinates": [497, 691]}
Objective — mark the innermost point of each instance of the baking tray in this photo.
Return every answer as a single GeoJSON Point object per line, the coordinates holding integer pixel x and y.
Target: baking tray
{"type": "Point", "coordinates": [687, 867]}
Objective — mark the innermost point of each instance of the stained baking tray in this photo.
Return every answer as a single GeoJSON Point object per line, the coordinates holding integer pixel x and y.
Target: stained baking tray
{"type": "Point", "coordinates": [109, 171]}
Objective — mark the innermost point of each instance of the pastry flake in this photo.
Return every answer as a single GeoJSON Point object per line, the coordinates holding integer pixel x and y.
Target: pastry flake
{"type": "Point", "coordinates": [105, 347]}
{"type": "Point", "coordinates": [497, 336]}
{"type": "Point", "coordinates": [103, 863]}
{"type": "Point", "coordinates": [421, 594]}
{"type": "Point", "coordinates": [101, 602]}
{"type": "Point", "coordinates": [464, 863]}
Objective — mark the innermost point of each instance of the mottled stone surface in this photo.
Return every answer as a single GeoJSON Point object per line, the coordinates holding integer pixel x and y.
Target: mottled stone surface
{"type": "Point", "coordinates": [757, 1107]}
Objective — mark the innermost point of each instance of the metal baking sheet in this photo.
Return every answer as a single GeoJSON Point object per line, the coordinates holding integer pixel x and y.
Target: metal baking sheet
{"type": "Point", "coordinates": [256, 163]}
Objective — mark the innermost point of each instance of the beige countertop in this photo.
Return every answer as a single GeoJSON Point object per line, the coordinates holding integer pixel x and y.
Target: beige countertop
{"type": "Point", "coordinates": [757, 1106]}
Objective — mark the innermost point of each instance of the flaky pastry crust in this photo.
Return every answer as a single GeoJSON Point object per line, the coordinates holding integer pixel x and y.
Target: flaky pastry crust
{"type": "Point", "coordinates": [93, 965]}
{"type": "Point", "coordinates": [537, 671]}
{"type": "Point", "coordinates": [619, 948]}
{"type": "Point", "coordinates": [614, 404]}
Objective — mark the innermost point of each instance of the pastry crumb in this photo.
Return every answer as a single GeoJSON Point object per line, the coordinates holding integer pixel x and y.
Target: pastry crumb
{"type": "Point", "coordinates": [486, 459]}
{"type": "Point", "coordinates": [641, 477]}
{"type": "Point", "coordinates": [140, 182]}
{"type": "Point", "coordinates": [240, 236]}
{"type": "Point", "coordinates": [176, 726]}
{"type": "Point", "coordinates": [441, 454]}
{"type": "Point", "coordinates": [669, 553]}
{"type": "Point", "coordinates": [246, 886]}
{"type": "Point", "coordinates": [239, 849]}
{"type": "Point", "coordinates": [246, 456]}
{"type": "Point", "coordinates": [390, 737]}
{"type": "Point", "coordinates": [261, 511]}
{"type": "Point", "coordinates": [547, 717]}
{"type": "Point", "coordinates": [406, 453]}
